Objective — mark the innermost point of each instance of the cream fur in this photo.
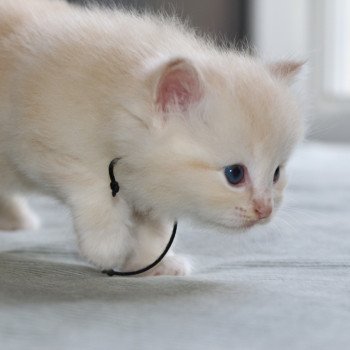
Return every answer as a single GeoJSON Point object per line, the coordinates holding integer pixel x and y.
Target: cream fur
{"type": "Point", "coordinates": [79, 87]}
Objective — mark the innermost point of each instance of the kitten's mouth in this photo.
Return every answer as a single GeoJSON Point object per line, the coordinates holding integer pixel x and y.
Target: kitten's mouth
{"type": "Point", "coordinates": [250, 223]}
{"type": "Point", "coordinates": [256, 222]}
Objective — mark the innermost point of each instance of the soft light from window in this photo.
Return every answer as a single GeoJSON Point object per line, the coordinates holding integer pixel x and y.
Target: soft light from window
{"type": "Point", "coordinates": [337, 48]}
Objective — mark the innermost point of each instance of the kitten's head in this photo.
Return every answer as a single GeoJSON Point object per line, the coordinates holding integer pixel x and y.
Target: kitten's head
{"type": "Point", "coordinates": [220, 133]}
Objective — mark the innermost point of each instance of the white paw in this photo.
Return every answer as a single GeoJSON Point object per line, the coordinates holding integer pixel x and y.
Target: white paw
{"type": "Point", "coordinates": [173, 265]}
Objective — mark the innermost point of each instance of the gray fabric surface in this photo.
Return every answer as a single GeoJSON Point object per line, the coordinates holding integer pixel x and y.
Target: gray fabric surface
{"type": "Point", "coordinates": [283, 286]}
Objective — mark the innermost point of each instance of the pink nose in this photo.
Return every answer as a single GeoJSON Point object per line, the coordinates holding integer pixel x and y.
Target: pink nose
{"type": "Point", "coordinates": [262, 209]}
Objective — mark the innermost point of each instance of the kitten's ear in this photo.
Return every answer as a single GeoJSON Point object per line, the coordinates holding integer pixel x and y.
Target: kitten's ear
{"type": "Point", "coordinates": [178, 86]}
{"type": "Point", "coordinates": [287, 70]}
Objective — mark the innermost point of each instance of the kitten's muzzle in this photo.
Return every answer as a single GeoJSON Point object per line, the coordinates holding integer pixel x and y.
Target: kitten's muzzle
{"type": "Point", "coordinates": [262, 208]}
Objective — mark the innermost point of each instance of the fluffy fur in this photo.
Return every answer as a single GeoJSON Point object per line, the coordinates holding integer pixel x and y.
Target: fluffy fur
{"type": "Point", "coordinates": [79, 87]}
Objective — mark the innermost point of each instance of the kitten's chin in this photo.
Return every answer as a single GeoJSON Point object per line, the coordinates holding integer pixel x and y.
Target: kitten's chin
{"type": "Point", "coordinates": [239, 227]}
{"type": "Point", "coordinates": [227, 226]}
{"type": "Point", "coordinates": [232, 226]}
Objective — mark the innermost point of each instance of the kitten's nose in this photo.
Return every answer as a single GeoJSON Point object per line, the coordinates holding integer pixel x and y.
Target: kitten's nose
{"type": "Point", "coordinates": [262, 208]}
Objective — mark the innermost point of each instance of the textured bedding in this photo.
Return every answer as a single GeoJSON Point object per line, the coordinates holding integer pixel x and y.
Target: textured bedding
{"type": "Point", "coordinates": [282, 286]}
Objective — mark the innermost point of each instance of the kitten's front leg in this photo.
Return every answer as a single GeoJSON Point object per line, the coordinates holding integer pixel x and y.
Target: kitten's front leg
{"type": "Point", "coordinates": [110, 236]}
{"type": "Point", "coordinates": [151, 238]}
{"type": "Point", "coordinates": [102, 224]}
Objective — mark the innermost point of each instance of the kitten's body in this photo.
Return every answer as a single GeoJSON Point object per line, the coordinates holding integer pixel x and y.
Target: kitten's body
{"type": "Point", "coordinates": [79, 88]}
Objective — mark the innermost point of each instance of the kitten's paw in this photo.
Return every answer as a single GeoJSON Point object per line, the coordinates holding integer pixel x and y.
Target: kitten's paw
{"type": "Point", "coordinates": [173, 265]}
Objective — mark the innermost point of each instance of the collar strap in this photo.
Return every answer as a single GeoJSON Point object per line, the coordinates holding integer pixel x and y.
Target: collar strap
{"type": "Point", "coordinates": [114, 184]}
{"type": "Point", "coordinates": [115, 189]}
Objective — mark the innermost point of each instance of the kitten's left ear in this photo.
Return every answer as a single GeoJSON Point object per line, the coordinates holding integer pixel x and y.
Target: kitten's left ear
{"type": "Point", "coordinates": [178, 85]}
{"type": "Point", "coordinates": [286, 70]}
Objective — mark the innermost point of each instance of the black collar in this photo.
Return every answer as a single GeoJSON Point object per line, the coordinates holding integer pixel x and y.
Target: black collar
{"type": "Point", "coordinates": [115, 189]}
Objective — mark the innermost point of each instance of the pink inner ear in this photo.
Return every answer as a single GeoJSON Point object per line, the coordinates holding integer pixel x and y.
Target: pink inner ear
{"type": "Point", "coordinates": [178, 88]}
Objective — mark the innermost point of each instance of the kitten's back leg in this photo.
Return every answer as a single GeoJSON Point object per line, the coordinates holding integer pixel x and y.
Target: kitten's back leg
{"type": "Point", "coordinates": [15, 214]}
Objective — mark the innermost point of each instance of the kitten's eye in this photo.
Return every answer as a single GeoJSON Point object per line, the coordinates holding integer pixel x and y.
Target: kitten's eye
{"type": "Point", "coordinates": [234, 174]}
{"type": "Point", "coordinates": [276, 175]}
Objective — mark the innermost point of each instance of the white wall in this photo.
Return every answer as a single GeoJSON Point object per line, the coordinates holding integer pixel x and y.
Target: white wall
{"type": "Point", "coordinates": [279, 27]}
{"type": "Point", "coordinates": [296, 29]}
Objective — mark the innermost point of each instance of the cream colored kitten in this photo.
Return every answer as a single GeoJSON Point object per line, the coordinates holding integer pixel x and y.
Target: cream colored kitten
{"type": "Point", "coordinates": [203, 132]}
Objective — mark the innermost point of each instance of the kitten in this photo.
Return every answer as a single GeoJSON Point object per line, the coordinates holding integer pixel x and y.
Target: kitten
{"type": "Point", "coordinates": [203, 132]}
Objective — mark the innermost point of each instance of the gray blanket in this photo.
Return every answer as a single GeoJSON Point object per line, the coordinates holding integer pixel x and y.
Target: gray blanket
{"type": "Point", "coordinates": [283, 286]}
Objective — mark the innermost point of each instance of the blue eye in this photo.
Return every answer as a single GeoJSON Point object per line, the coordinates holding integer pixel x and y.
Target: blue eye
{"type": "Point", "coordinates": [276, 175]}
{"type": "Point", "coordinates": [234, 174]}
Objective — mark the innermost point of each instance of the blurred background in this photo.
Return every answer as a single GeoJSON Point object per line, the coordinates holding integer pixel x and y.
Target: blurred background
{"type": "Point", "coordinates": [317, 31]}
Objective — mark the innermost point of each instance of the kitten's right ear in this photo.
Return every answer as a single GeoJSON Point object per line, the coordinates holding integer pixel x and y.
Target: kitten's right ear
{"type": "Point", "coordinates": [286, 70]}
{"type": "Point", "coordinates": [177, 86]}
